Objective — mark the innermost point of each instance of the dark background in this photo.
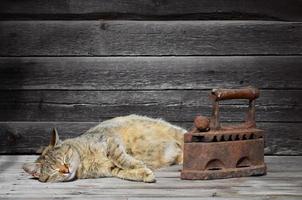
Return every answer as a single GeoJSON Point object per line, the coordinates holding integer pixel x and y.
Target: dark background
{"type": "Point", "coordinates": [70, 64]}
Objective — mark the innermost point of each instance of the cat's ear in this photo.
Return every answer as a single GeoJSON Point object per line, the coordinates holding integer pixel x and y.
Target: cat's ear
{"type": "Point", "coordinates": [54, 140]}
{"type": "Point", "coordinates": [33, 169]}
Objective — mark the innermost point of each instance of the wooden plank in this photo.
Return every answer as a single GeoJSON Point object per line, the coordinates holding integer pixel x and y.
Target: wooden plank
{"type": "Point", "coordinates": [163, 183]}
{"type": "Point", "coordinates": [220, 198]}
{"type": "Point", "coordinates": [104, 38]}
{"type": "Point", "coordinates": [163, 188]}
{"type": "Point", "coordinates": [18, 185]}
{"type": "Point", "coordinates": [29, 137]}
{"type": "Point", "coordinates": [172, 105]}
{"type": "Point", "coordinates": [152, 73]}
{"type": "Point", "coordinates": [167, 198]}
{"type": "Point", "coordinates": [148, 9]}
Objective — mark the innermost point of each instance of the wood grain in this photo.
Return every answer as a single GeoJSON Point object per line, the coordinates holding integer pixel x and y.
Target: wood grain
{"type": "Point", "coordinates": [29, 137]}
{"type": "Point", "coordinates": [106, 38]}
{"type": "Point", "coordinates": [152, 73]}
{"type": "Point", "coordinates": [283, 183]}
{"type": "Point", "coordinates": [155, 68]}
{"type": "Point", "coordinates": [173, 105]}
{"type": "Point", "coordinates": [152, 9]}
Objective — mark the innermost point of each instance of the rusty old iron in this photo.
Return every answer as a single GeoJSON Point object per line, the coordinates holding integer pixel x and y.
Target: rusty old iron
{"type": "Point", "coordinates": [213, 151]}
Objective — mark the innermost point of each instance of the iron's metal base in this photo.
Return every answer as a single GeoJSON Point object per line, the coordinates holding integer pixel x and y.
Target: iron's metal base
{"type": "Point", "coordinates": [225, 173]}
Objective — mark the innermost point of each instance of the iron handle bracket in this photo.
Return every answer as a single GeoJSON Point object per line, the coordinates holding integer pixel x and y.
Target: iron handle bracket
{"type": "Point", "coordinates": [249, 93]}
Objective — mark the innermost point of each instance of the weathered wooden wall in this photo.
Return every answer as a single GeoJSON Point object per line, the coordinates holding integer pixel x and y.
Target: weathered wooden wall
{"type": "Point", "coordinates": [71, 64]}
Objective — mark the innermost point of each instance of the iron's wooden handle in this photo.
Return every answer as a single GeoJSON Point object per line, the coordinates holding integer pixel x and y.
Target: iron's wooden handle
{"type": "Point", "coordinates": [250, 93]}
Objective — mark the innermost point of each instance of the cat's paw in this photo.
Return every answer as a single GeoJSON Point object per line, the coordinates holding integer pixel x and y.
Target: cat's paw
{"type": "Point", "coordinates": [148, 176]}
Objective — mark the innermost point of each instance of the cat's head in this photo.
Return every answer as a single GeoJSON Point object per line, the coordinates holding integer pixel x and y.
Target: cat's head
{"type": "Point", "coordinates": [58, 162]}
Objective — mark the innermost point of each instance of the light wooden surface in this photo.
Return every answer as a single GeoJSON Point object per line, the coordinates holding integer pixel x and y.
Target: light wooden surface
{"type": "Point", "coordinates": [283, 181]}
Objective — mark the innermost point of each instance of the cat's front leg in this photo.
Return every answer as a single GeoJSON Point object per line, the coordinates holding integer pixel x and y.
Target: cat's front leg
{"type": "Point", "coordinates": [117, 154]}
{"type": "Point", "coordinates": [127, 167]}
{"type": "Point", "coordinates": [140, 174]}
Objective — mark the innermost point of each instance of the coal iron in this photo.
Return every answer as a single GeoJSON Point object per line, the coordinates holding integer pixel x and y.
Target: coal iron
{"type": "Point", "coordinates": [212, 151]}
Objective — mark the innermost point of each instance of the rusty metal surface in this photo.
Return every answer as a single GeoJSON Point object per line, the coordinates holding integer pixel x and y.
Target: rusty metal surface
{"type": "Point", "coordinates": [212, 151]}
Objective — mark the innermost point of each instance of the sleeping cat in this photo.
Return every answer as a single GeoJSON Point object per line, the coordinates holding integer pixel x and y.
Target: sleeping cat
{"type": "Point", "coordinates": [127, 147]}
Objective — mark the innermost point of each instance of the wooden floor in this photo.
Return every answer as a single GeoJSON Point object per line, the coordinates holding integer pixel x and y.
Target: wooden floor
{"type": "Point", "coordinates": [283, 181]}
